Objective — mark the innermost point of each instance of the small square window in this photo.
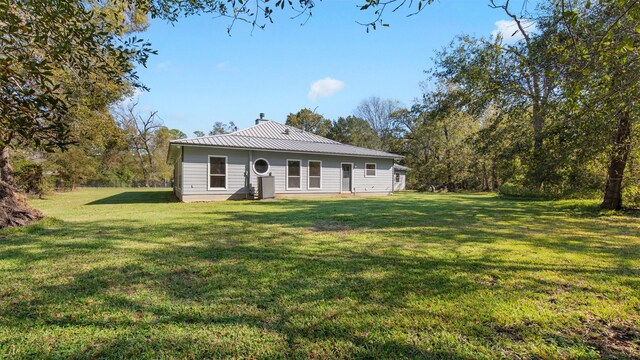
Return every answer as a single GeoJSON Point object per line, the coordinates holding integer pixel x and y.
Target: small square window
{"type": "Point", "coordinates": [370, 170]}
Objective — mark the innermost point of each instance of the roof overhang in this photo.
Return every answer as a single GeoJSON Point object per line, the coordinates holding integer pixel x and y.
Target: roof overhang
{"type": "Point", "coordinates": [177, 144]}
{"type": "Point", "coordinates": [174, 152]}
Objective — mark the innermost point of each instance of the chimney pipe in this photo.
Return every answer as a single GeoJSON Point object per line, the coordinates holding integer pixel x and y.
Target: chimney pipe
{"type": "Point", "coordinates": [262, 119]}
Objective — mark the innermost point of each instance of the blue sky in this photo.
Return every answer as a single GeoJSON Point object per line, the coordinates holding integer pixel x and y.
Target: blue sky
{"type": "Point", "coordinates": [202, 75]}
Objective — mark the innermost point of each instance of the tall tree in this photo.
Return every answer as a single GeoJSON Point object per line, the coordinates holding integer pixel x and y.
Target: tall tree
{"type": "Point", "coordinates": [603, 83]}
{"type": "Point", "coordinates": [220, 128]}
{"type": "Point", "coordinates": [41, 41]}
{"type": "Point", "coordinates": [378, 113]}
{"type": "Point", "coordinates": [140, 130]}
{"type": "Point", "coordinates": [354, 131]}
{"type": "Point", "coordinates": [308, 120]}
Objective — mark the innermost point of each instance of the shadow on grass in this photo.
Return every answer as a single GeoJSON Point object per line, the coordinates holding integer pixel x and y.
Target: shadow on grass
{"type": "Point", "coordinates": [385, 278]}
{"type": "Point", "coordinates": [137, 197]}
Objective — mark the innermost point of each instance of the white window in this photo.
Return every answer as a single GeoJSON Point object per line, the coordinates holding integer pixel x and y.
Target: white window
{"type": "Point", "coordinates": [315, 174]}
{"type": "Point", "coordinates": [261, 167]}
{"type": "Point", "coordinates": [293, 174]}
{"type": "Point", "coordinates": [397, 177]}
{"type": "Point", "coordinates": [217, 172]}
{"type": "Point", "coordinates": [370, 170]}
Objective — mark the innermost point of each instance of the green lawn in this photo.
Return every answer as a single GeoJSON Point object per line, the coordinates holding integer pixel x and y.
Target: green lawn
{"type": "Point", "coordinates": [131, 273]}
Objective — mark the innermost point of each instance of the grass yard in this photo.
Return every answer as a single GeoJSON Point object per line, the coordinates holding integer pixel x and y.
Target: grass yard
{"type": "Point", "coordinates": [130, 273]}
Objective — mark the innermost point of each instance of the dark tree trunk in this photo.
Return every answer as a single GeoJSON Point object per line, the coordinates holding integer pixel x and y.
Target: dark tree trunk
{"type": "Point", "coordinates": [621, 148]}
{"type": "Point", "coordinates": [14, 210]}
{"type": "Point", "coordinates": [6, 171]}
{"type": "Point", "coordinates": [494, 177]}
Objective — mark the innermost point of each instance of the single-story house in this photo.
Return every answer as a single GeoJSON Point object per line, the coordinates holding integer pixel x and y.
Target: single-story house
{"type": "Point", "coordinates": [400, 177]}
{"type": "Point", "coordinates": [269, 155]}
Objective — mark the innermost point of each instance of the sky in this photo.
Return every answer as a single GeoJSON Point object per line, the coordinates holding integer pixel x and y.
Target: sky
{"type": "Point", "coordinates": [330, 64]}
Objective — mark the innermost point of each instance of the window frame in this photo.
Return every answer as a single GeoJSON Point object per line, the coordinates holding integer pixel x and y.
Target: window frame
{"type": "Point", "coordinates": [287, 187]}
{"type": "Point", "coordinates": [397, 177]}
{"type": "Point", "coordinates": [226, 172]}
{"type": "Point", "coordinates": [309, 175]}
{"type": "Point", "coordinates": [375, 169]}
{"type": "Point", "coordinates": [268, 167]}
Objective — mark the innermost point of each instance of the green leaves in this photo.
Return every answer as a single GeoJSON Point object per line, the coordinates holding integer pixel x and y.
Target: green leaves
{"type": "Point", "coordinates": [51, 52]}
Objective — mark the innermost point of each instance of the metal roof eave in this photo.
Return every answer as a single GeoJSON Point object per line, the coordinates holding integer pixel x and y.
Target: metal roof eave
{"type": "Point", "coordinates": [173, 150]}
{"type": "Point", "coordinates": [391, 156]}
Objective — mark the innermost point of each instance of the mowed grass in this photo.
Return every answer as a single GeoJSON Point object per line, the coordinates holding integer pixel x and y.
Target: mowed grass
{"type": "Point", "coordinates": [122, 273]}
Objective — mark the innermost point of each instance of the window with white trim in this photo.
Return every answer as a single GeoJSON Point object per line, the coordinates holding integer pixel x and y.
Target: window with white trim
{"type": "Point", "coordinates": [217, 172]}
{"type": "Point", "coordinates": [315, 174]}
{"type": "Point", "coordinates": [293, 174]}
{"type": "Point", "coordinates": [397, 177]}
{"type": "Point", "coordinates": [261, 166]}
{"type": "Point", "coordinates": [370, 170]}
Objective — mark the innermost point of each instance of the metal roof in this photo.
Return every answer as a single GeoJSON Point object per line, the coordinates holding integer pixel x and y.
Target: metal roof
{"type": "Point", "coordinates": [272, 136]}
{"type": "Point", "coordinates": [400, 167]}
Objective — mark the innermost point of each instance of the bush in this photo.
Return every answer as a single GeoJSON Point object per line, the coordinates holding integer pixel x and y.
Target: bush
{"type": "Point", "coordinates": [29, 178]}
{"type": "Point", "coordinates": [631, 196]}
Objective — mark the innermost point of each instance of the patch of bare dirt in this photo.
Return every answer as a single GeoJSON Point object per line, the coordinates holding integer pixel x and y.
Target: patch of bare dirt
{"type": "Point", "coordinates": [330, 225]}
{"type": "Point", "coordinates": [621, 340]}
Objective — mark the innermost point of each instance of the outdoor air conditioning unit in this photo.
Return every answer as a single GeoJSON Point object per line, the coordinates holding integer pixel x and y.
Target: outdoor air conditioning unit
{"type": "Point", "coordinates": [266, 187]}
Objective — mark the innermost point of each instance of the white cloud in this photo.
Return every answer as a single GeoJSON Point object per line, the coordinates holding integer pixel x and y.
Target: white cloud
{"type": "Point", "coordinates": [325, 87]}
{"type": "Point", "coordinates": [509, 31]}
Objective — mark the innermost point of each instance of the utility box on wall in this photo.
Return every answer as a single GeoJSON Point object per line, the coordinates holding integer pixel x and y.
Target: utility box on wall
{"type": "Point", "coordinates": [266, 187]}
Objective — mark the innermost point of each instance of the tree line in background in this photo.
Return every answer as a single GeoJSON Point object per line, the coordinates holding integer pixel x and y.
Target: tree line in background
{"type": "Point", "coordinates": [555, 113]}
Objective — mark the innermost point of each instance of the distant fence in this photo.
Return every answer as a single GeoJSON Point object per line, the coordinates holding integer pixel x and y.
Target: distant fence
{"type": "Point", "coordinates": [125, 184]}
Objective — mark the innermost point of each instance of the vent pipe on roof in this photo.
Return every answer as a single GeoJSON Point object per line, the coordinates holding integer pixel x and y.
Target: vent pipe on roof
{"type": "Point", "coordinates": [262, 119]}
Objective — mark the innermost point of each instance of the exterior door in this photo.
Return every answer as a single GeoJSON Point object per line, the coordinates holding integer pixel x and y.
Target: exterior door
{"type": "Point", "coordinates": [346, 178]}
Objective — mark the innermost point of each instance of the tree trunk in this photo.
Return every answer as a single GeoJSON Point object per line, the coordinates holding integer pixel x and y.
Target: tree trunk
{"type": "Point", "coordinates": [14, 210]}
{"type": "Point", "coordinates": [621, 148]}
{"type": "Point", "coordinates": [494, 177]}
{"type": "Point", "coordinates": [6, 171]}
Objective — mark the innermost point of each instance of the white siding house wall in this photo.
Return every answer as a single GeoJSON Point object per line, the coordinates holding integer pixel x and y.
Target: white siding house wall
{"type": "Point", "coordinates": [177, 178]}
{"type": "Point", "coordinates": [402, 184]}
{"type": "Point", "coordinates": [195, 170]}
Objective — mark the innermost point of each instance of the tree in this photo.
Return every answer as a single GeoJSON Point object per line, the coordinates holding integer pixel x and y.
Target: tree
{"type": "Point", "coordinates": [198, 133]}
{"type": "Point", "coordinates": [604, 71]}
{"type": "Point", "coordinates": [438, 146]}
{"type": "Point", "coordinates": [140, 132]}
{"type": "Point", "coordinates": [520, 79]}
{"type": "Point", "coordinates": [176, 134]}
{"type": "Point", "coordinates": [354, 131]}
{"type": "Point", "coordinates": [308, 120]}
{"type": "Point", "coordinates": [220, 128]}
{"type": "Point", "coordinates": [41, 41]}
{"type": "Point", "coordinates": [377, 112]}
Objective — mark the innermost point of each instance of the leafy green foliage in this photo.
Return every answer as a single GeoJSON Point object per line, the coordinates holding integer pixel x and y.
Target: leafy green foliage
{"type": "Point", "coordinates": [308, 120]}
{"type": "Point", "coordinates": [354, 131]}
{"type": "Point", "coordinates": [556, 111]}
{"type": "Point", "coordinates": [40, 40]}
